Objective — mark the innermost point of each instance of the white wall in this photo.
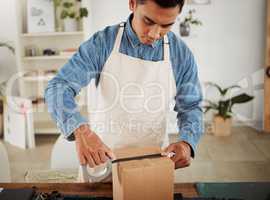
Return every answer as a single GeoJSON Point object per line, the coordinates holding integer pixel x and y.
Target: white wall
{"type": "Point", "coordinates": [229, 47]}
{"type": "Point", "coordinates": [7, 33]}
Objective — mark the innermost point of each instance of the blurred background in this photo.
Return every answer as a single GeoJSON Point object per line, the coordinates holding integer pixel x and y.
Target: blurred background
{"type": "Point", "coordinates": [230, 42]}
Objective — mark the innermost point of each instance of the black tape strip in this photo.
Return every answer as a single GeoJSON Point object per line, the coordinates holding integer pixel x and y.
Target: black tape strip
{"type": "Point", "coordinates": [157, 155]}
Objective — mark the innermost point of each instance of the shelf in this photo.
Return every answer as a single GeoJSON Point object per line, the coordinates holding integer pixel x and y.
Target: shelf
{"type": "Point", "coordinates": [46, 131]}
{"type": "Point", "coordinates": [37, 78]}
{"type": "Point", "coordinates": [52, 34]}
{"type": "Point", "coordinates": [33, 58]}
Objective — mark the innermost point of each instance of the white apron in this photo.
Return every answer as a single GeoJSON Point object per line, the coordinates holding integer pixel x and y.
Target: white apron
{"type": "Point", "coordinates": [131, 101]}
{"type": "Point", "coordinates": [128, 108]}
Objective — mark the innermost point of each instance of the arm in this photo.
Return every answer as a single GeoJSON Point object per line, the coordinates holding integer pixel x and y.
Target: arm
{"type": "Point", "coordinates": [84, 66]}
{"type": "Point", "coordinates": [62, 89]}
{"type": "Point", "coordinates": [189, 113]}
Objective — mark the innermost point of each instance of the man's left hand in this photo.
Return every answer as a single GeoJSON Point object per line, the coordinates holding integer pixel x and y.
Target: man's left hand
{"type": "Point", "coordinates": [182, 157]}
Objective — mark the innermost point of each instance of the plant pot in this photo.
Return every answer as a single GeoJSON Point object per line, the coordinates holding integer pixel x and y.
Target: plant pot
{"type": "Point", "coordinates": [221, 126]}
{"type": "Point", "coordinates": [70, 25]}
{"type": "Point", "coordinates": [184, 29]}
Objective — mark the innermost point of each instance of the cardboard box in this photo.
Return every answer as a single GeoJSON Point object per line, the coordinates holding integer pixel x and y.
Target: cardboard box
{"type": "Point", "coordinates": [146, 179]}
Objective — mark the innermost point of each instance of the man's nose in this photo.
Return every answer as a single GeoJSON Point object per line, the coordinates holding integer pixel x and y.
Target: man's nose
{"type": "Point", "coordinates": [154, 32]}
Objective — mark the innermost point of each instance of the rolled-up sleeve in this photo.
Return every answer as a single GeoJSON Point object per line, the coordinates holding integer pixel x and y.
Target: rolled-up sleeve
{"type": "Point", "coordinates": [188, 104]}
{"type": "Point", "coordinates": [62, 89]}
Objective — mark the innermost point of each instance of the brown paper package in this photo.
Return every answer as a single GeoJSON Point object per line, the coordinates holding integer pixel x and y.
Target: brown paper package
{"type": "Point", "coordinates": [145, 179]}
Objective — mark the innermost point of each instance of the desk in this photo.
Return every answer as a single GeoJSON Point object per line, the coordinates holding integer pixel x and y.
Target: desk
{"type": "Point", "coordinates": [88, 189]}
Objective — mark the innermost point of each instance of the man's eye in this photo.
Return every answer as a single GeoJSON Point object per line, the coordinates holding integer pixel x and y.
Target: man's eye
{"type": "Point", "coordinates": [166, 26]}
{"type": "Point", "coordinates": [148, 22]}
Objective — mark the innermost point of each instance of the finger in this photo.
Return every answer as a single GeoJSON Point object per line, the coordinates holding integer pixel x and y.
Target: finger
{"type": "Point", "coordinates": [182, 163]}
{"type": "Point", "coordinates": [90, 160]}
{"type": "Point", "coordinates": [96, 157]}
{"type": "Point", "coordinates": [179, 155]}
{"type": "Point", "coordinates": [82, 159]}
{"type": "Point", "coordinates": [102, 156]}
{"type": "Point", "coordinates": [170, 148]}
{"type": "Point", "coordinates": [109, 153]}
{"type": "Point", "coordinates": [80, 154]}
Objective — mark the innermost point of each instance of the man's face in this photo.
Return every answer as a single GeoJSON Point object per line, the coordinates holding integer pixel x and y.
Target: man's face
{"type": "Point", "coordinates": [151, 22]}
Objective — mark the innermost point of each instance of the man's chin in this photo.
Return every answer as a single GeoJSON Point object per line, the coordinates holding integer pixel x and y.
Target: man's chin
{"type": "Point", "coordinates": [148, 42]}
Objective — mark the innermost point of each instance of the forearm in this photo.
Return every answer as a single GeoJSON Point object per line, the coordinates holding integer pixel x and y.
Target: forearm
{"type": "Point", "coordinates": [63, 108]}
{"type": "Point", "coordinates": [190, 125]}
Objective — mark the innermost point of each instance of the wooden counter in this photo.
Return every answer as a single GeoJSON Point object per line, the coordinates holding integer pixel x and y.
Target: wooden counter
{"type": "Point", "coordinates": [87, 189]}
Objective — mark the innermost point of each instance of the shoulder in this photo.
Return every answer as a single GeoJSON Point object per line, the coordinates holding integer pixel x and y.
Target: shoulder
{"type": "Point", "coordinates": [178, 48]}
{"type": "Point", "coordinates": [105, 37]}
{"type": "Point", "coordinates": [100, 44]}
{"type": "Point", "coordinates": [182, 59]}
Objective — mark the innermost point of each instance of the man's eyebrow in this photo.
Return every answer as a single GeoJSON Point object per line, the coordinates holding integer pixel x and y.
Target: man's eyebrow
{"type": "Point", "coordinates": [153, 22]}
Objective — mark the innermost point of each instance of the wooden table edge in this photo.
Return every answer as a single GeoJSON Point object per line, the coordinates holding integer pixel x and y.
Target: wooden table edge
{"type": "Point", "coordinates": [91, 189]}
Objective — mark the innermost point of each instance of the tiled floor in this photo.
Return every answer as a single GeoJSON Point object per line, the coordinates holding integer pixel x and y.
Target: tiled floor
{"type": "Point", "coordinates": [244, 156]}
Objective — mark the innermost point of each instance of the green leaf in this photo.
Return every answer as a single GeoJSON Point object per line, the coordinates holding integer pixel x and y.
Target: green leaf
{"type": "Point", "coordinates": [83, 12]}
{"type": "Point", "coordinates": [216, 86]}
{"type": "Point", "coordinates": [68, 5]}
{"type": "Point", "coordinates": [208, 108]}
{"type": "Point", "coordinates": [224, 92]}
{"type": "Point", "coordinates": [64, 14]}
{"type": "Point", "coordinates": [241, 98]}
{"type": "Point", "coordinates": [211, 103]}
{"type": "Point", "coordinates": [57, 3]}
{"type": "Point", "coordinates": [224, 108]}
{"type": "Point", "coordinates": [11, 48]}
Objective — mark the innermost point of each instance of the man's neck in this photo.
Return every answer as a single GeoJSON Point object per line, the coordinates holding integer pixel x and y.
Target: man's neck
{"type": "Point", "coordinates": [132, 24]}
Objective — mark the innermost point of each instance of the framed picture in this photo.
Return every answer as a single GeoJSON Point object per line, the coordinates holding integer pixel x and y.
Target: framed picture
{"type": "Point", "coordinates": [199, 2]}
{"type": "Point", "coordinates": [40, 16]}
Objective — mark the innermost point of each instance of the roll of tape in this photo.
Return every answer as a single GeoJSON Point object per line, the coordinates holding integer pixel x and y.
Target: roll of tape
{"type": "Point", "coordinates": [97, 174]}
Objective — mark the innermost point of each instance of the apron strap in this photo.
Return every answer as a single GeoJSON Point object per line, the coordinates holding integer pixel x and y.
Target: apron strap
{"type": "Point", "coordinates": [117, 44]}
{"type": "Point", "coordinates": [166, 48]}
{"type": "Point", "coordinates": [119, 37]}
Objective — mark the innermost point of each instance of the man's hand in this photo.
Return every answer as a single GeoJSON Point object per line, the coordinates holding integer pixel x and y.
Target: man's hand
{"type": "Point", "coordinates": [91, 150]}
{"type": "Point", "coordinates": [182, 157]}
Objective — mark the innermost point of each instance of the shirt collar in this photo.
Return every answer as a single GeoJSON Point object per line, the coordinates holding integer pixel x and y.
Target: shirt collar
{"type": "Point", "coordinates": [133, 38]}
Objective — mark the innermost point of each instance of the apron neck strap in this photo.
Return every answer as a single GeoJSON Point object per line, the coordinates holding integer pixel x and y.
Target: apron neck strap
{"type": "Point", "coordinates": [117, 44]}
{"type": "Point", "coordinates": [166, 53]}
{"type": "Point", "coordinates": [119, 37]}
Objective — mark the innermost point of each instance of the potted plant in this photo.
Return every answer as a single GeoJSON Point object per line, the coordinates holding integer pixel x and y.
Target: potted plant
{"type": "Point", "coordinates": [189, 20]}
{"type": "Point", "coordinates": [222, 120]}
{"type": "Point", "coordinates": [71, 14]}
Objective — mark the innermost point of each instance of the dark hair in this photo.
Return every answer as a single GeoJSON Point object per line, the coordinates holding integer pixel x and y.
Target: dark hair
{"type": "Point", "coordinates": [166, 3]}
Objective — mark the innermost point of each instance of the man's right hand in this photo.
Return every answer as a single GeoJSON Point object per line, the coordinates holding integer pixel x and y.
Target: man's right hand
{"type": "Point", "coordinates": [91, 150]}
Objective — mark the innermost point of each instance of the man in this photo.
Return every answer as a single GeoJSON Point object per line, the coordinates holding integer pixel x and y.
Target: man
{"type": "Point", "coordinates": [139, 68]}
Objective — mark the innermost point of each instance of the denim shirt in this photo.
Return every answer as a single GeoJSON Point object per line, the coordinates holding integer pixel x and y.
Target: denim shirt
{"type": "Point", "coordinates": [87, 63]}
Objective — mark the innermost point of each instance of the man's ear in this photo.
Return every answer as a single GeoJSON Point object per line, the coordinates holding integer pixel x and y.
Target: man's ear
{"type": "Point", "coordinates": [132, 5]}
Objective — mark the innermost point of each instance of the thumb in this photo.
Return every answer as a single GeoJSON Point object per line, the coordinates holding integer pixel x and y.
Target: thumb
{"type": "Point", "coordinates": [169, 149]}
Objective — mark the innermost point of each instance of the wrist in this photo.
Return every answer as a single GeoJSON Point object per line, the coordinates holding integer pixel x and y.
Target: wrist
{"type": "Point", "coordinates": [83, 129]}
